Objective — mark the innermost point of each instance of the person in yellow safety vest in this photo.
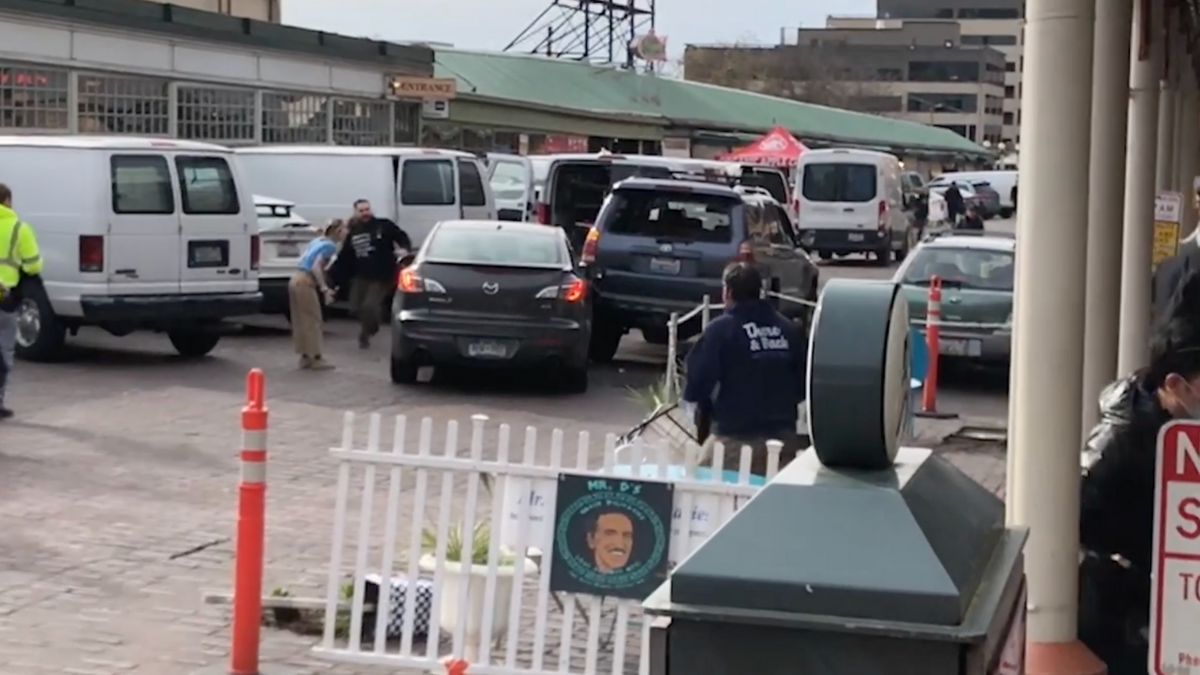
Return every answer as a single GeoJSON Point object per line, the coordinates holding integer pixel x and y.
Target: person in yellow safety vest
{"type": "Point", "coordinates": [19, 258]}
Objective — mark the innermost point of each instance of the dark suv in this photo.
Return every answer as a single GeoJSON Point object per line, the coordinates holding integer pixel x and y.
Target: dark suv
{"type": "Point", "coordinates": [659, 246]}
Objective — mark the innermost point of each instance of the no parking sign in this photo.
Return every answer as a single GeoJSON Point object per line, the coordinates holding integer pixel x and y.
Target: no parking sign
{"type": "Point", "coordinates": [1175, 602]}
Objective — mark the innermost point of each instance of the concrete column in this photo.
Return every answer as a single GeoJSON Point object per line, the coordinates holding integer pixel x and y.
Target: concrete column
{"type": "Point", "coordinates": [1047, 369]}
{"type": "Point", "coordinates": [1164, 171]}
{"type": "Point", "coordinates": [1106, 201]}
{"type": "Point", "coordinates": [1141, 150]}
{"type": "Point", "coordinates": [1187, 149]}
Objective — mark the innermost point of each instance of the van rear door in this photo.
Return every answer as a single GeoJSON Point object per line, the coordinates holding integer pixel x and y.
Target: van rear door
{"type": "Point", "coordinates": [839, 196]}
{"type": "Point", "coordinates": [474, 198]}
{"type": "Point", "coordinates": [427, 193]}
{"type": "Point", "coordinates": [217, 225]}
{"type": "Point", "coordinates": [511, 180]}
{"type": "Point", "coordinates": [140, 254]}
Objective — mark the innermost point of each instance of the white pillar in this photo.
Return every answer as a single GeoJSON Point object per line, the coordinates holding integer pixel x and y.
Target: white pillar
{"type": "Point", "coordinates": [1049, 312]}
{"type": "Point", "coordinates": [1138, 228]}
{"type": "Point", "coordinates": [1164, 176]}
{"type": "Point", "coordinates": [1106, 200]}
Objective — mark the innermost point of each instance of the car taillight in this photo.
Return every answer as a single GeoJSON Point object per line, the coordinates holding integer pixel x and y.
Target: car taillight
{"type": "Point", "coordinates": [588, 255]}
{"type": "Point", "coordinates": [91, 253]}
{"type": "Point", "coordinates": [411, 282]}
{"type": "Point", "coordinates": [883, 215]}
{"type": "Point", "coordinates": [573, 291]}
{"type": "Point", "coordinates": [255, 251]}
{"type": "Point", "coordinates": [542, 213]}
{"type": "Point", "coordinates": [745, 252]}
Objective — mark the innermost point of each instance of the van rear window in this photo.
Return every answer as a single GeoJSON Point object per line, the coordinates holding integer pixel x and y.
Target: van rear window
{"type": "Point", "coordinates": [673, 216]}
{"type": "Point", "coordinates": [839, 182]}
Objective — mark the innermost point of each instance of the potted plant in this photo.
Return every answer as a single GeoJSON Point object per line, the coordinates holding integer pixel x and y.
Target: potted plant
{"type": "Point", "coordinates": [474, 574]}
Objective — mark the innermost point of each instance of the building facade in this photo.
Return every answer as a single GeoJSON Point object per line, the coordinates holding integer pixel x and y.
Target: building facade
{"type": "Point", "coordinates": [187, 74]}
{"type": "Point", "coordinates": [260, 10]}
{"type": "Point", "coordinates": [916, 71]}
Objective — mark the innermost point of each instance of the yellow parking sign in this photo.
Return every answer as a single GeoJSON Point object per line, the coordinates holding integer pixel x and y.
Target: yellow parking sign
{"type": "Point", "coordinates": [1167, 207]}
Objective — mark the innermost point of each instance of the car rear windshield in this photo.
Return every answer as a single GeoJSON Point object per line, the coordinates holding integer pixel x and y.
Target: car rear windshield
{"type": "Point", "coordinates": [500, 246]}
{"type": "Point", "coordinates": [768, 180]}
{"type": "Point", "coordinates": [839, 182]}
{"type": "Point", "coordinates": [672, 216]}
{"type": "Point", "coordinates": [962, 268]}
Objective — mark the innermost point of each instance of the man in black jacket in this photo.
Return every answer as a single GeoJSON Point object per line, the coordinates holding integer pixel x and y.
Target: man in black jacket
{"type": "Point", "coordinates": [368, 258]}
{"type": "Point", "coordinates": [1116, 520]}
{"type": "Point", "coordinates": [747, 372]}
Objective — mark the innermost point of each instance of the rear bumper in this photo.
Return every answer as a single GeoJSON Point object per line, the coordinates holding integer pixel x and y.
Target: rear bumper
{"type": "Point", "coordinates": [533, 343]}
{"type": "Point", "coordinates": [845, 239]}
{"type": "Point", "coordinates": [163, 310]}
{"type": "Point", "coordinates": [642, 312]}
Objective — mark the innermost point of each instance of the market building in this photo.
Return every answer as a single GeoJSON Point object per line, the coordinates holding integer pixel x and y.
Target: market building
{"type": "Point", "coordinates": [133, 67]}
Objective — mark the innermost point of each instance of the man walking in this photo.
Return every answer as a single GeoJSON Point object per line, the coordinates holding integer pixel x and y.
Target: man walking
{"type": "Point", "coordinates": [368, 257]}
{"type": "Point", "coordinates": [19, 259]}
{"type": "Point", "coordinates": [747, 372]}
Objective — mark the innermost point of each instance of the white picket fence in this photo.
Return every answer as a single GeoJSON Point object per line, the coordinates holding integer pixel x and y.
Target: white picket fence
{"type": "Point", "coordinates": [509, 622]}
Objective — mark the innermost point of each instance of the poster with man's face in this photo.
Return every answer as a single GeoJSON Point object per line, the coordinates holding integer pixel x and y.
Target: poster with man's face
{"type": "Point", "coordinates": [611, 537]}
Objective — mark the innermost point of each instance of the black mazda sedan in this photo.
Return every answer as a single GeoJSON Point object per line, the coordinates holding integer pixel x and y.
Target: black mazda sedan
{"type": "Point", "coordinates": [493, 294]}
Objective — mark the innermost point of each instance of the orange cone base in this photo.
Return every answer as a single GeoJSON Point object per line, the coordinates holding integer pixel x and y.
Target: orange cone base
{"type": "Point", "coordinates": [1062, 658]}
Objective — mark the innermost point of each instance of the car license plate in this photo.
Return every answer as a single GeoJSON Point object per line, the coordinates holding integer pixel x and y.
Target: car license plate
{"type": "Point", "coordinates": [664, 265]}
{"type": "Point", "coordinates": [287, 249]}
{"type": "Point", "coordinates": [488, 349]}
{"type": "Point", "coordinates": [952, 347]}
{"type": "Point", "coordinates": [855, 236]}
{"type": "Point", "coordinates": [208, 253]}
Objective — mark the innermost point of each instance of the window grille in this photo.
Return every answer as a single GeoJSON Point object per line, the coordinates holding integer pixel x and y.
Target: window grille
{"type": "Point", "coordinates": [215, 114]}
{"type": "Point", "coordinates": [408, 123]}
{"type": "Point", "coordinates": [123, 105]}
{"type": "Point", "coordinates": [362, 122]}
{"type": "Point", "coordinates": [33, 98]}
{"type": "Point", "coordinates": [295, 118]}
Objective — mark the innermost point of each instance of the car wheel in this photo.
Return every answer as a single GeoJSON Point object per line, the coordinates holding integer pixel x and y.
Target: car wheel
{"type": "Point", "coordinates": [1006, 213]}
{"type": "Point", "coordinates": [40, 334]}
{"type": "Point", "coordinates": [606, 338]}
{"type": "Point", "coordinates": [193, 343]}
{"type": "Point", "coordinates": [822, 254]}
{"type": "Point", "coordinates": [883, 256]}
{"type": "Point", "coordinates": [656, 336]}
{"type": "Point", "coordinates": [403, 372]}
{"type": "Point", "coordinates": [909, 238]}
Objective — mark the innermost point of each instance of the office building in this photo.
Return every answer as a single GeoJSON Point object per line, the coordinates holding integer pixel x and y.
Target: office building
{"type": "Point", "coordinates": [260, 10]}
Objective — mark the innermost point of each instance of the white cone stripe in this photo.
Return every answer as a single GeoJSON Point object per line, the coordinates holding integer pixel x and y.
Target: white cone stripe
{"type": "Point", "coordinates": [254, 472]}
{"type": "Point", "coordinates": [254, 439]}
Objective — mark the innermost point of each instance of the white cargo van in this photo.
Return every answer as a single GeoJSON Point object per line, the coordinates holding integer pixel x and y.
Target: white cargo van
{"type": "Point", "coordinates": [852, 201]}
{"type": "Point", "coordinates": [416, 187]}
{"type": "Point", "coordinates": [136, 234]}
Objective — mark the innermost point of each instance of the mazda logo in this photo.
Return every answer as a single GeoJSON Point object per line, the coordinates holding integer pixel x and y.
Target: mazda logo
{"type": "Point", "coordinates": [491, 288]}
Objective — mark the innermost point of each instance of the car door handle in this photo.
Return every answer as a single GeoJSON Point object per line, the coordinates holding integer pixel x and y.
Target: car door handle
{"type": "Point", "coordinates": [848, 209]}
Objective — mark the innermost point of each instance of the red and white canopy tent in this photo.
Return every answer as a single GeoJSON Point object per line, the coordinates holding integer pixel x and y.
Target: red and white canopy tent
{"type": "Point", "coordinates": [778, 147]}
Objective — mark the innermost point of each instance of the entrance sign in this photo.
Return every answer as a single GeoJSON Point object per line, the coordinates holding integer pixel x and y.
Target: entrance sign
{"type": "Point", "coordinates": [1175, 601]}
{"type": "Point", "coordinates": [1168, 207]}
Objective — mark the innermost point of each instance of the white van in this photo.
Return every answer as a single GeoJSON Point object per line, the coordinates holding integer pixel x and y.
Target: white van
{"type": "Point", "coordinates": [136, 234]}
{"type": "Point", "coordinates": [852, 201]}
{"type": "Point", "coordinates": [1003, 181]}
{"type": "Point", "coordinates": [416, 187]}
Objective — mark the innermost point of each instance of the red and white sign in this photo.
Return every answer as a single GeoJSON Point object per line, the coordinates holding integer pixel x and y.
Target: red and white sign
{"type": "Point", "coordinates": [1012, 654]}
{"type": "Point", "coordinates": [1175, 602]}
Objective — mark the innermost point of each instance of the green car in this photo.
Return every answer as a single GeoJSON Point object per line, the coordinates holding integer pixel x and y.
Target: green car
{"type": "Point", "coordinates": [977, 294]}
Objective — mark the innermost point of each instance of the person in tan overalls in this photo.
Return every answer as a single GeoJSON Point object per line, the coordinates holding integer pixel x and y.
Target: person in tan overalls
{"type": "Point", "coordinates": [308, 286]}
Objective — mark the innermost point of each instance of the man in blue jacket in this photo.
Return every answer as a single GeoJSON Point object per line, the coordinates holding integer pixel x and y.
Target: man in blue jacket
{"type": "Point", "coordinates": [747, 373]}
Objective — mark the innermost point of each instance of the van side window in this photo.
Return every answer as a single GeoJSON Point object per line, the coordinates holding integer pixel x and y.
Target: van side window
{"type": "Point", "coordinates": [207, 187]}
{"type": "Point", "coordinates": [427, 182]}
{"type": "Point", "coordinates": [471, 183]}
{"type": "Point", "coordinates": [141, 185]}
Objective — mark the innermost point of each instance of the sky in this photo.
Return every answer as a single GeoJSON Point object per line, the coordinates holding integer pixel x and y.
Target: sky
{"type": "Point", "coordinates": [482, 24]}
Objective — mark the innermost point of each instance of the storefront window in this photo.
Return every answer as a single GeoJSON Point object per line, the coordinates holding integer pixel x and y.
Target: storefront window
{"type": "Point", "coordinates": [33, 98]}
{"type": "Point", "coordinates": [440, 135]}
{"type": "Point", "coordinates": [408, 123]}
{"type": "Point", "coordinates": [476, 140]}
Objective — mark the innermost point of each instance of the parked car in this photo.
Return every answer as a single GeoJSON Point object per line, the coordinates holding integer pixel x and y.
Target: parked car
{"type": "Point", "coordinates": [1003, 181]}
{"type": "Point", "coordinates": [977, 293]}
{"type": "Point", "coordinates": [659, 246]}
{"type": "Point", "coordinates": [137, 234]}
{"type": "Point", "coordinates": [970, 197]}
{"type": "Point", "coordinates": [492, 294]}
{"type": "Point", "coordinates": [852, 201]}
{"type": "Point", "coordinates": [985, 198]}
{"type": "Point", "coordinates": [284, 235]}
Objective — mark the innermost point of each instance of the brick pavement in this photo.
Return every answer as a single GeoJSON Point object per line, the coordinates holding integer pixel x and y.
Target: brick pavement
{"type": "Point", "coordinates": [124, 460]}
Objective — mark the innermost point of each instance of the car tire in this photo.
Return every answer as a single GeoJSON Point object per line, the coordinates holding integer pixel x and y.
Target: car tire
{"type": "Point", "coordinates": [573, 380]}
{"type": "Point", "coordinates": [403, 372]}
{"type": "Point", "coordinates": [193, 343]}
{"type": "Point", "coordinates": [901, 254]}
{"type": "Point", "coordinates": [51, 335]}
{"type": "Point", "coordinates": [606, 338]}
{"type": "Point", "coordinates": [656, 336]}
{"type": "Point", "coordinates": [883, 256]}
{"type": "Point", "coordinates": [1006, 213]}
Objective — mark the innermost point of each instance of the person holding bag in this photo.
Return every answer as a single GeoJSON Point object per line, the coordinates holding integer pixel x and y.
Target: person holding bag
{"type": "Point", "coordinates": [306, 290]}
